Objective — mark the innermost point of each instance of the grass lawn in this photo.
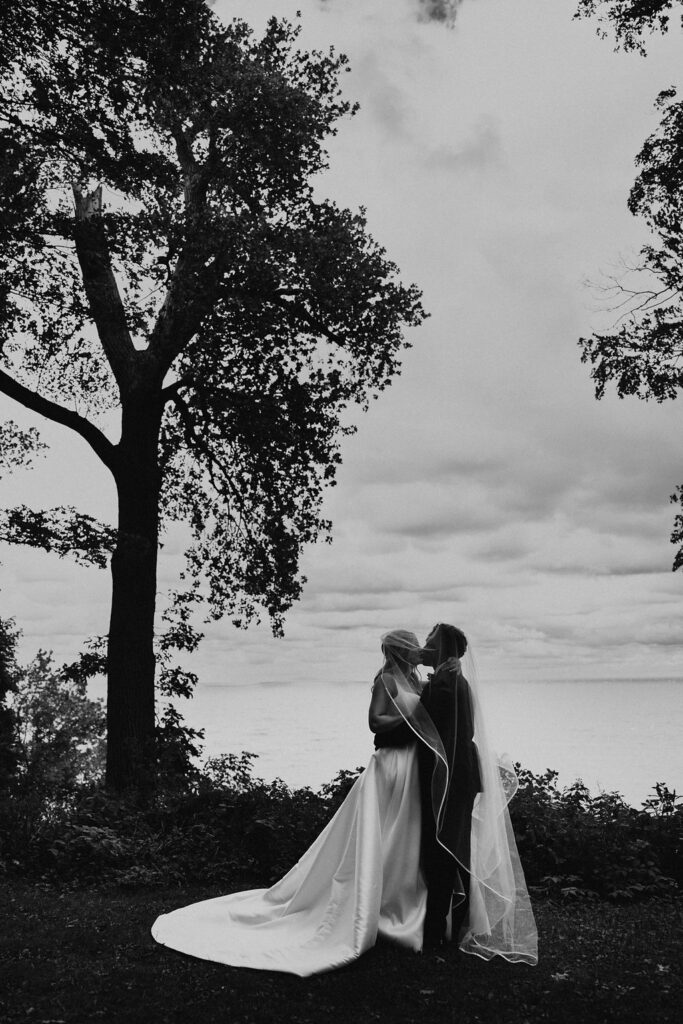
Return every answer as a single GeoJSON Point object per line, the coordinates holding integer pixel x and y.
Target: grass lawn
{"type": "Point", "coordinates": [87, 956]}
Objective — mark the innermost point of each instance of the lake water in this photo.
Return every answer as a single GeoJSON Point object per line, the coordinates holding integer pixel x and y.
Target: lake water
{"type": "Point", "coordinates": [622, 735]}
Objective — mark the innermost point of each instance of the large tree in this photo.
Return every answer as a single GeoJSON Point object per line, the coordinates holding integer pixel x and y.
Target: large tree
{"type": "Point", "coordinates": [643, 355]}
{"type": "Point", "coordinates": [165, 254]}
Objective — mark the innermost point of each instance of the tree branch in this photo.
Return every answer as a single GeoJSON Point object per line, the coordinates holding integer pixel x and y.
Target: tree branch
{"type": "Point", "coordinates": [304, 315]}
{"type": "Point", "coordinates": [184, 305]}
{"type": "Point", "coordinates": [63, 530]}
{"type": "Point", "coordinates": [100, 284]}
{"type": "Point", "coordinates": [193, 437]}
{"type": "Point", "coordinates": [100, 444]}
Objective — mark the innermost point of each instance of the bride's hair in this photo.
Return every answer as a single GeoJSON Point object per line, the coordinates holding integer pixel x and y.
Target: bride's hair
{"type": "Point", "coordinates": [397, 643]}
{"type": "Point", "coordinates": [452, 642]}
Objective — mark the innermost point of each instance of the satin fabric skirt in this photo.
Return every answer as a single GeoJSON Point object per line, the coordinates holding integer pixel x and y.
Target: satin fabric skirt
{"type": "Point", "coordinates": [359, 880]}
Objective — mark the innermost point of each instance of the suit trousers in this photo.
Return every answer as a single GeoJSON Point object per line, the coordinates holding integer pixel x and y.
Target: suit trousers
{"type": "Point", "coordinates": [444, 875]}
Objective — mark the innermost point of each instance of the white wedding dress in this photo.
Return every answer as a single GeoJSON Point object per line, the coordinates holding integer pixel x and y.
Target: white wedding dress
{"type": "Point", "coordinates": [359, 880]}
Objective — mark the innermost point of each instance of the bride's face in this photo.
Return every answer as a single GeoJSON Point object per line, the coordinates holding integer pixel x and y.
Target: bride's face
{"type": "Point", "coordinates": [403, 656]}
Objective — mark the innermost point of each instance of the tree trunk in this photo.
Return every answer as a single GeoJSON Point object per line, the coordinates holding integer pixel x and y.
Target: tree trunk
{"type": "Point", "coordinates": [130, 683]}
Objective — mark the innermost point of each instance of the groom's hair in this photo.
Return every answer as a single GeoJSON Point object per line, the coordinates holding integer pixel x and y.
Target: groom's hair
{"type": "Point", "coordinates": [452, 642]}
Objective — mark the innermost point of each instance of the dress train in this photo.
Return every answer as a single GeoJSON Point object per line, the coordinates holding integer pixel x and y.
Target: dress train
{"type": "Point", "coordinates": [360, 879]}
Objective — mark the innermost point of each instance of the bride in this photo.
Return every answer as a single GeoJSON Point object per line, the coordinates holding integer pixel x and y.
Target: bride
{"type": "Point", "coordinates": [361, 878]}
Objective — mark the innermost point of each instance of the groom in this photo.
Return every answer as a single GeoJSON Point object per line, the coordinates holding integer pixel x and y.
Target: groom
{"type": "Point", "coordinates": [448, 699]}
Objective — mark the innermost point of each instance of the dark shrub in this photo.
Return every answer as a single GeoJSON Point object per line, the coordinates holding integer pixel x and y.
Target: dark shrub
{"type": "Point", "coordinates": [228, 827]}
{"type": "Point", "coordinates": [575, 844]}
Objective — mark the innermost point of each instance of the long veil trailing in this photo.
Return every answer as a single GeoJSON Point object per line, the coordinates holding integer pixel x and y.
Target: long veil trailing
{"type": "Point", "coordinates": [500, 920]}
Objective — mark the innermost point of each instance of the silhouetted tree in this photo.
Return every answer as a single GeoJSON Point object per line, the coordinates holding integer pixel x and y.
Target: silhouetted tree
{"type": "Point", "coordinates": [165, 255]}
{"type": "Point", "coordinates": [643, 356]}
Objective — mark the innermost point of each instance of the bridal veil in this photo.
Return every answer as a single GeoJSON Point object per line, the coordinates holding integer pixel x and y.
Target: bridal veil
{"type": "Point", "coordinates": [500, 920]}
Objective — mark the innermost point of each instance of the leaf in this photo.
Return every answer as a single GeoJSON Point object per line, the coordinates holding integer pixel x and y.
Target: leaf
{"type": "Point", "coordinates": [62, 530]}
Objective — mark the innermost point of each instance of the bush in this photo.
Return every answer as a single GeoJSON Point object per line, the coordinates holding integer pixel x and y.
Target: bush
{"type": "Point", "coordinates": [577, 845]}
{"type": "Point", "coordinates": [59, 731]}
{"type": "Point", "coordinates": [230, 828]}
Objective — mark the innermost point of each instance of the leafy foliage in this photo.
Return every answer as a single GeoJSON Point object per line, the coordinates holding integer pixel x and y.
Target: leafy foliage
{"type": "Point", "coordinates": [60, 731]}
{"type": "Point", "coordinates": [18, 447]}
{"type": "Point", "coordinates": [677, 532]}
{"type": "Point", "coordinates": [9, 752]}
{"type": "Point", "coordinates": [643, 358]}
{"type": "Point", "coordinates": [233, 829]}
{"type": "Point", "coordinates": [164, 163]}
{"type": "Point", "coordinates": [63, 530]}
{"type": "Point", "coordinates": [643, 355]}
{"type": "Point", "coordinates": [630, 19]}
{"type": "Point", "coordinates": [166, 255]}
{"type": "Point", "coordinates": [575, 845]}
{"type": "Point", "coordinates": [177, 746]}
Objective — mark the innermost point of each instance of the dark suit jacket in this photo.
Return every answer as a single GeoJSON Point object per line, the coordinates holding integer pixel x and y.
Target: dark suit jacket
{"type": "Point", "coordinates": [448, 699]}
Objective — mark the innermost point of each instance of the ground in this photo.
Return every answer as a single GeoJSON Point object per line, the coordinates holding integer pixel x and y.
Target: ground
{"type": "Point", "coordinates": [77, 957]}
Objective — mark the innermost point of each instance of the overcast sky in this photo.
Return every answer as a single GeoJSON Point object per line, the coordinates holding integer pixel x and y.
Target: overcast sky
{"type": "Point", "coordinates": [487, 487]}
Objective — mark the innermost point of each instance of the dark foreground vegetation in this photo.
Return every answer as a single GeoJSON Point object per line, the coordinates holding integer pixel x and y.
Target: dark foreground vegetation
{"type": "Point", "coordinates": [85, 874]}
{"type": "Point", "coordinates": [78, 956]}
{"type": "Point", "coordinates": [221, 824]}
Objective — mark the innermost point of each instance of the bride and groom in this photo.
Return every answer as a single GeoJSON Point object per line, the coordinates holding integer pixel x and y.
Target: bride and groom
{"type": "Point", "coordinates": [421, 850]}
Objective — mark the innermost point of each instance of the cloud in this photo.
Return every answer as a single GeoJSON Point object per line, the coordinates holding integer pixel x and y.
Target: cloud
{"type": "Point", "coordinates": [481, 151]}
{"type": "Point", "coordinates": [487, 485]}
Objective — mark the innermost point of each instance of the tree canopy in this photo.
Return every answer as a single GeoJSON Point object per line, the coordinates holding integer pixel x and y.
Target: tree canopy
{"type": "Point", "coordinates": [159, 184]}
{"type": "Point", "coordinates": [166, 254]}
{"type": "Point", "coordinates": [630, 20]}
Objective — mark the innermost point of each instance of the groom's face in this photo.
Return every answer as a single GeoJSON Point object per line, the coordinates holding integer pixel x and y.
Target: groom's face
{"type": "Point", "coordinates": [430, 649]}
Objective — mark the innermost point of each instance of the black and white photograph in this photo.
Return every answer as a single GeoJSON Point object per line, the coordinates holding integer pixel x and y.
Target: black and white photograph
{"type": "Point", "coordinates": [341, 511]}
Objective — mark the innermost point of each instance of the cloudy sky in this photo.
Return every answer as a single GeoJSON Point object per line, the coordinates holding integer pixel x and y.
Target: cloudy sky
{"type": "Point", "coordinates": [487, 487]}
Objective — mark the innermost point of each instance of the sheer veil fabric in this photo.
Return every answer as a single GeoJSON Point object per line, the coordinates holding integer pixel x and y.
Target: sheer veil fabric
{"type": "Point", "coordinates": [500, 920]}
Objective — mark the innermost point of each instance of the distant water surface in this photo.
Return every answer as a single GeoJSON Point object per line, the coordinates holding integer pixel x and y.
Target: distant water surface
{"type": "Point", "coordinates": [620, 735]}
